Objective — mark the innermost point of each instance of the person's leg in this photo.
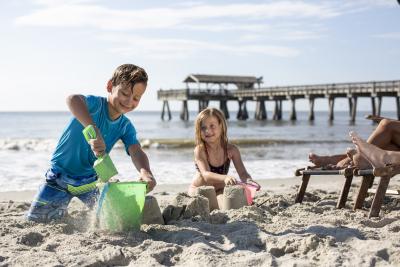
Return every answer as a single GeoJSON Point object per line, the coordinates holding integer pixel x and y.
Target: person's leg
{"type": "Point", "coordinates": [386, 135]}
{"type": "Point", "coordinates": [50, 203]}
{"type": "Point", "coordinates": [375, 155]}
{"type": "Point", "coordinates": [325, 160]}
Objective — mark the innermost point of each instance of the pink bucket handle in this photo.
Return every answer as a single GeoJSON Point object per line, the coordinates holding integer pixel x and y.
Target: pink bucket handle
{"type": "Point", "coordinates": [250, 191]}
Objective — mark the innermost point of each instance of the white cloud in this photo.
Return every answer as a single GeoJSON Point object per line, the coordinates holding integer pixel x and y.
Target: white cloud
{"type": "Point", "coordinates": [80, 13]}
{"type": "Point", "coordinates": [374, 3]}
{"type": "Point", "coordinates": [223, 27]}
{"type": "Point", "coordinates": [61, 2]}
{"type": "Point", "coordinates": [182, 48]}
{"type": "Point", "coordinates": [301, 35]}
{"type": "Point", "coordinates": [252, 24]}
{"type": "Point", "coordinates": [388, 35]}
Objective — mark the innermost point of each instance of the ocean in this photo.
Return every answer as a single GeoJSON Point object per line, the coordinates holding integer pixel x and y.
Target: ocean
{"type": "Point", "coordinates": [269, 149]}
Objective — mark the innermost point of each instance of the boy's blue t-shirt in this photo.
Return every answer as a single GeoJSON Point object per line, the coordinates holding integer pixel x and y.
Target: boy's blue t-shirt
{"type": "Point", "coordinates": [73, 156]}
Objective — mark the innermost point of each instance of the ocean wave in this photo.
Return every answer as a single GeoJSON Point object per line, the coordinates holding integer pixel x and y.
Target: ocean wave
{"type": "Point", "coordinates": [35, 144]}
{"type": "Point", "coordinates": [178, 143]}
{"type": "Point", "coordinates": [157, 143]}
{"type": "Point", "coordinates": [27, 144]}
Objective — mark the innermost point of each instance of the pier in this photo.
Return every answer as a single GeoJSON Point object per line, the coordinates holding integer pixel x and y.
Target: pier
{"type": "Point", "coordinates": [248, 88]}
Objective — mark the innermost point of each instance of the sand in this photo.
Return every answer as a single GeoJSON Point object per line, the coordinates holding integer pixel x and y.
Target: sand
{"type": "Point", "coordinates": [273, 232]}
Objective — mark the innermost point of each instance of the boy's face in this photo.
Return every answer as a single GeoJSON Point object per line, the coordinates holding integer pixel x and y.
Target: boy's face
{"type": "Point", "coordinates": [124, 98]}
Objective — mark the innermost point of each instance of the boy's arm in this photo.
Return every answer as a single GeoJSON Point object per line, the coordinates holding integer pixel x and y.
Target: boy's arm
{"type": "Point", "coordinates": [77, 106]}
{"type": "Point", "coordinates": [141, 162]}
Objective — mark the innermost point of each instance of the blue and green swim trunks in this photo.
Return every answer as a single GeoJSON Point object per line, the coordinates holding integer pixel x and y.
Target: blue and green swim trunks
{"type": "Point", "coordinates": [51, 201]}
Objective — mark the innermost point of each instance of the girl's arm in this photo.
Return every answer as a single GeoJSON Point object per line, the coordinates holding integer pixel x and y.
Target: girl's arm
{"type": "Point", "coordinates": [141, 162]}
{"type": "Point", "coordinates": [77, 106]}
{"type": "Point", "coordinates": [209, 177]}
{"type": "Point", "coordinates": [241, 170]}
{"type": "Point", "coordinates": [237, 161]}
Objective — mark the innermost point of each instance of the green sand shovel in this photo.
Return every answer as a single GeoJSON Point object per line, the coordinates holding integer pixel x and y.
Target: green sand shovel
{"type": "Point", "coordinates": [103, 166]}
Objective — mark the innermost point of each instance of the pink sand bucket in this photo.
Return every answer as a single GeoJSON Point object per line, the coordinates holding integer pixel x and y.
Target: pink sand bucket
{"type": "Point", "coordinates": [250, 191]}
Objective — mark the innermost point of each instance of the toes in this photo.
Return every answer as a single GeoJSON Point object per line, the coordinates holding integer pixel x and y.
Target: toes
{"type": "Point", "coordinates": [351, 151]}
{"type": "Point", "coordinates": [353, 134]}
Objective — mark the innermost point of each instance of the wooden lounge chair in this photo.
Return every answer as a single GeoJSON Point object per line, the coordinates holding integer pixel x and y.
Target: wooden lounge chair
{"type": "Point", "coordinates": [309, 171]}
{"type": "Point", "coordinates": [385, 173]}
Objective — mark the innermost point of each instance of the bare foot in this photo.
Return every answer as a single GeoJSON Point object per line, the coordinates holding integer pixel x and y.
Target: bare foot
{"type": "Point", "coordinates": [357, 159]}
{"type": "Point", "coordinates": [344, 163]}
{"type": "Point", "coordinates": [376, 156]}
{"type": "Point", "coordinates": [320, 161]}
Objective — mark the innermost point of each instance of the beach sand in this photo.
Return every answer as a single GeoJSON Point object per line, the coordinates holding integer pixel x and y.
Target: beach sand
{"type": "Point", "coordinates": [273, 232]}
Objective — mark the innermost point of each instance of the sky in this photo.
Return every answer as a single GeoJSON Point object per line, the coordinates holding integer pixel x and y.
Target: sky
{"type": "Point", "coordinates": [53, 48]}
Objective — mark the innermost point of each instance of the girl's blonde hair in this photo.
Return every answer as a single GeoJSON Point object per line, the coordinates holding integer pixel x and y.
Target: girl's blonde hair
{"type": "Point", "coordinates": [202, 116]}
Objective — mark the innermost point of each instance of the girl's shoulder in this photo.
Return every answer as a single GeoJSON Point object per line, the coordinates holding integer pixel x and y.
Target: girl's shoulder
{"type": "Point", "coordinates": [232, 150]}
{"type": "Point", "coordinates": [231, 147]}
{"type": "Point", "coordinates": [199, 150]}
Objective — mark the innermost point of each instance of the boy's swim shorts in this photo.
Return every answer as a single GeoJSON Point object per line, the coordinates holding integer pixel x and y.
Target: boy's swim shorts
{"type": "Point", "coordinates": [54, 195]}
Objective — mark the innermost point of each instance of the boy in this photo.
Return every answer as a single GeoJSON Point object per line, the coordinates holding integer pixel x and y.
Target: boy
{"type": "Point", "coordinates": [72, 161]}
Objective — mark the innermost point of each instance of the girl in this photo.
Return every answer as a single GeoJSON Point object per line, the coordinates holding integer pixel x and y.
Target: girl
{"type": "Point", "coordinates": [213, 153]}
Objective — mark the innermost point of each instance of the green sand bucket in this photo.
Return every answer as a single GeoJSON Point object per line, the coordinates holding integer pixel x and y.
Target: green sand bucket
{"type": "Point", "coordinates": [120, 206]}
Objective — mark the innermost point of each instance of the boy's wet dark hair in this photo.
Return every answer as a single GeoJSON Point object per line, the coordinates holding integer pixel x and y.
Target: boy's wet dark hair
{"type": "Point", "coordinates": [130, 74]}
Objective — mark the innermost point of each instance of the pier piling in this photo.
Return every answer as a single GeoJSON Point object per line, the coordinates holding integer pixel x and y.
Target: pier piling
{"type": "Point", "coordinates": [185, 112]}
{"type": "Point", "coordinates": [224, 108]}
{"type": "Point", "coordinates": [353, 109]}
{"type": "Point", "coordinates": [261, 112]}
{"type": "Point", "coordinates": [242, 112]}
{"type": "Point", "coordinates": [166, 108]}
{"type": "Point", "coordinates": [293, 115]}
{"type": "Point", "coordinates": [331, 101]}
{"type": "Point", "coordinates": [311, 113]}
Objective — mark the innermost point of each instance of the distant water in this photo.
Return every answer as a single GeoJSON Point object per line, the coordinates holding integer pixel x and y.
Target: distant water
{"type": "Point", "coordinates": [27, 140]}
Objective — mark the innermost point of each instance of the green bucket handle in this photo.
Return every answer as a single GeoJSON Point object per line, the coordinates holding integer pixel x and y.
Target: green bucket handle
{"type": "Point", "coordinates": [90, 133]}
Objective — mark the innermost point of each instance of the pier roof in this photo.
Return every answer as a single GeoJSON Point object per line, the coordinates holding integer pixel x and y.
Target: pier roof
{"type": "Point", "coordinates": [207, 78]}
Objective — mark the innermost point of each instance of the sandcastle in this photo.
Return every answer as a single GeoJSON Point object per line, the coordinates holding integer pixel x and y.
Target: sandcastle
{"type": "Point", "coordinates": [233, 198]}
{"type": "Point", "coordinates": [152, 212]}
{"type": "Point", "coordinates": [209, 193]}
{"type": "Point", "coordinates": [184, 207]}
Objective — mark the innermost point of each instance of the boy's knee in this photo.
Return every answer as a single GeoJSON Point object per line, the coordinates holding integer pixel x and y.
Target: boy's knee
{"type": "Point", "coordinates": [90, 198]}
{"type": "Point", "coordinates": [50, 203]}
{"type": "Point", "coordinates": [44, 213]}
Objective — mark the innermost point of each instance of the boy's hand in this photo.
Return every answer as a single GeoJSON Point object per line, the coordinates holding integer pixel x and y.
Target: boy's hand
{"type": "Point", "coordinates": [97, 145]}
{"type": "Point", "coordinates": [151, 182]}
{"type": "Point", "coordinates": [229, 180]}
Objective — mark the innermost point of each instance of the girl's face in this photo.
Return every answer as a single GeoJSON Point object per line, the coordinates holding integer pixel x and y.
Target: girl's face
{"type": "Point", "coordinates": [211, 130]}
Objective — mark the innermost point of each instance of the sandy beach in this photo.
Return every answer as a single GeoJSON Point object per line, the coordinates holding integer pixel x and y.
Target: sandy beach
{"type": "Point", "coordinates": [273, 232]}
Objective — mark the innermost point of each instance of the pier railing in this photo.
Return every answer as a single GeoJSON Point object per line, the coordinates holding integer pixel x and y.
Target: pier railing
{"type": "Point", "coordinates": [373, 89]}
